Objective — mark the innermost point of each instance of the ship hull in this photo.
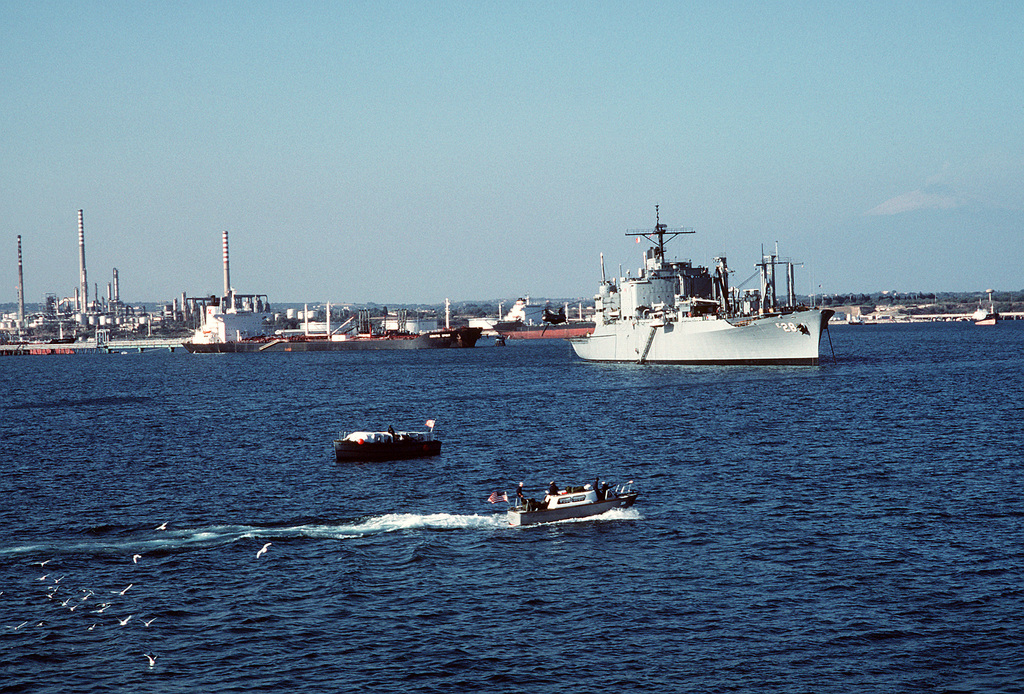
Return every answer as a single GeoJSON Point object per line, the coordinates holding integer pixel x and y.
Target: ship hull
{"type": "Point", "coordinates": [548, 332]}
{"type": "Point", "coordinates": [439, 339]}
{"type": "Point", "coordinates": [351, 451]}
{"type": "Point", "coordinates": [791, 339]}
{"type": "Point", "coordinates": [519, 518]}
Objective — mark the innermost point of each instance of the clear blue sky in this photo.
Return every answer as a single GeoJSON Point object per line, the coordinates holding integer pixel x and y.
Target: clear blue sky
{"type": "Point", "coordinates": [411, 151]}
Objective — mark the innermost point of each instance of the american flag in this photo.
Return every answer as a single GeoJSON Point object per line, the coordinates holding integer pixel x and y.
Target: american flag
{"type": "Point", "coordinates": [495, 497]}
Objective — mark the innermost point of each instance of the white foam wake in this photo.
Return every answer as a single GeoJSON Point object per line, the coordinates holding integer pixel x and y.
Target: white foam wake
{"type": "Point", "coordinates": [392, 522]}
{"type": "Point", "coordinates": [217, 535]}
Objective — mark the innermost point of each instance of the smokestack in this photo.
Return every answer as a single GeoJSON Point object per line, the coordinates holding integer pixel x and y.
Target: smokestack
{"type": "Point", "coordinates": [117, 290]}
{"type": "Point", "coordinates": [81, 263]}
{"type": "Point", "coordinates": [21, 289]}
{"type": "Point", "coordinates": [227, 272]}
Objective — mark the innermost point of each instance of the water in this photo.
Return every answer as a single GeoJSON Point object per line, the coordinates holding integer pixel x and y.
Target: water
{"type": "Point", "coordinates": [850, 527]}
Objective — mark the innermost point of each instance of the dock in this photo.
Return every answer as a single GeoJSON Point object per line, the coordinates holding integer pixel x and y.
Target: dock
{"type": "Point", "coordinates": [92, 346]}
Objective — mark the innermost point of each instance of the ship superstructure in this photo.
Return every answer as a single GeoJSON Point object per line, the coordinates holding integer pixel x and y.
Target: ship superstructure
{"type": "Point", "coordinates": [674, 312]}
{"type": "Point", "coordinates": [231, 317]}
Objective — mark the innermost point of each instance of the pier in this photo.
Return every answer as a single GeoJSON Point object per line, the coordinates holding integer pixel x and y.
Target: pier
{"type": "Point", "coordinates": [93, 346]}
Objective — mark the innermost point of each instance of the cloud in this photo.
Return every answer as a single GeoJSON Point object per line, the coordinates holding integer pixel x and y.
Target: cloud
{"type": "Point", "coordinates": [917, 200]}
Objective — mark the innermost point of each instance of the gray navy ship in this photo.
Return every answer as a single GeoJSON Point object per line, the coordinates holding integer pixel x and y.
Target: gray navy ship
{"type": "Point", "coordinates": [678, 313]}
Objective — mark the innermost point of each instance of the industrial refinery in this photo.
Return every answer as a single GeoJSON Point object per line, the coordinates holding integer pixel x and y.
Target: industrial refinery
{"type": "Point", "coordinates": [67, 316]}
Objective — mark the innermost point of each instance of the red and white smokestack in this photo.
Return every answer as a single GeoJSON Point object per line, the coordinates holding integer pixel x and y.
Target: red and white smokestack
{"type": "Point", "coordinates": [81, 264]}
{"type": "Point", "coordinates": [21, 289]}
{"type": "Point", "coordinates": [227, 271]}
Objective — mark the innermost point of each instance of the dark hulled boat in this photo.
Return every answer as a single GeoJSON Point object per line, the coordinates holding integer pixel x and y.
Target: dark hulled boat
{"type": "Point", "coordinates": [365, 446]}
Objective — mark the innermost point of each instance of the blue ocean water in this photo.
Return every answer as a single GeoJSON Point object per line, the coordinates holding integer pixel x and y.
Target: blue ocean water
{"type": "Point", "coordinates": [849, 527]}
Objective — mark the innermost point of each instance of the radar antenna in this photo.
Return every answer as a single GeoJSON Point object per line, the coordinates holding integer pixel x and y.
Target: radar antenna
{"type": "Point", "coordinates": [657, 235]}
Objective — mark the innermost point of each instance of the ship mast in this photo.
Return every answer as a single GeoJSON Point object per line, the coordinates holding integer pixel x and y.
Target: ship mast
{"type": "Point", "coordinates": [657, 236]}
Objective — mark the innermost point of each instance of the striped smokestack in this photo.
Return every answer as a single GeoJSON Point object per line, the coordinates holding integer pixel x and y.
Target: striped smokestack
{"type": "Point", "coordinates": [21, 289]}
{"type": "Point", "coordinates": [227, 271]}
{"type": "Point", "coordinates": [81, 263]}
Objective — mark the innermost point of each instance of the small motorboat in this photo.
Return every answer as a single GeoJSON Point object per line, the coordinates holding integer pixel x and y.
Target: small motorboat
{"type": "Point", "coordinates": [362, 446]}
{"type": "Point", "coordinates": [572, 502]}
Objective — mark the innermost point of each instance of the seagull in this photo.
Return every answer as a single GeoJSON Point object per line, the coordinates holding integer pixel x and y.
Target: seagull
{"type": "Point", "coordinates": [92, 627]}
{"type": "Point", "coordinates": [124, 621]}
{"type": "Point", "coordinates": [152, 659]}
{"type": "Point", "coordinates": [135, 558]}
{"type": "Point", "coordinates": [42, 563]}
{"type": "Point", "coordinates": [162, 526]}
{"type": "Point", "coordinates": [100, 611]}
{"type": "Point", "coordinates": [263, 550]}
{"type": "Point", "coordinates": [149, 622]}
{"type": "Point", "coordinates": [65, 603]}
{"type": "Point", "coordinates": [20, 626]}
{"type": "Point", "coordinates": [126, 589]}
{"type": "Point", "coordinates": [43, 577]}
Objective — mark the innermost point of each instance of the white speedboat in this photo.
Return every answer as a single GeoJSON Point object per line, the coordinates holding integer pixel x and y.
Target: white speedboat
{"type": "Point", "coordinates": [573, 502]}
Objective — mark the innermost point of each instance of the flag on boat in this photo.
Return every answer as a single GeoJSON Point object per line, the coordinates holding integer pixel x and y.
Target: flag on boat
{"type": "Point", "coordinates": [495, 497]}
{"type": "Point", "coordinates": [430, 423]}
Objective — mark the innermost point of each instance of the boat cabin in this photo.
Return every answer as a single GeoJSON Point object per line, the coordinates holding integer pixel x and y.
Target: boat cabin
{"type": "Point", "coordinates": [387, 437]}
{"type": "Point", "coordinates": [567, 499]}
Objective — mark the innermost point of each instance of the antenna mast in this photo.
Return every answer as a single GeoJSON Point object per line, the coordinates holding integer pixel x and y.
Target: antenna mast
{"type": "Point", "coordinates": [657, 236]}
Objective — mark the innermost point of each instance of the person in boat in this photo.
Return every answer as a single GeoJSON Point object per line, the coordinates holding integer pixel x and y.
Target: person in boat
{"type": "Point", "coordinates": [391, 430]}
{"type": "Point", "coordinates": [597, 487]}
{"type": "Point", "coordinates": [553, 489]}
{"type": "Point", "coordinates": [528, 504]}
{"type": "Point", "coordinates": [603, 494]}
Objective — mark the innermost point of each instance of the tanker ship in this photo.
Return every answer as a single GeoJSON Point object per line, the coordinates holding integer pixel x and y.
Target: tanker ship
{"type": "Point", "coordinates": [675, 313]}
{"type": "Point", "coordinates": [239, 323]}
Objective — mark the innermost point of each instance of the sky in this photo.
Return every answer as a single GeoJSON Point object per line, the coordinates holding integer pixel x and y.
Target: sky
{"type": "Point", "coordinates": [408, 152]}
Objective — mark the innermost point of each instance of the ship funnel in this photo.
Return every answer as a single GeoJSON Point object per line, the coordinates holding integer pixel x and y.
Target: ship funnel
{"type": "Point", "coordinates": [227, 271]}
{"type": "Point", "coordinates": [81, 264]}
{"type": "Point", "coordinates": [21, 289]}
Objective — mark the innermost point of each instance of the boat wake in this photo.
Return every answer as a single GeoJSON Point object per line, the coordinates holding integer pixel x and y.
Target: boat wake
{"type": "Point", "coordinates": [173, 541]}
{"type": "Point", "coordinates": [185, 539]}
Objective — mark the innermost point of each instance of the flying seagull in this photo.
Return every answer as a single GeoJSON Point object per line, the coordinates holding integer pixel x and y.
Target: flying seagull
{"type": "Point", "coordinates": [124, 621]}
{"type": "Point", "coordinates": [162, 526]}
{"type": "Point", "coordinates": [135, 558]}
{"type": "Point", "coordinates": [263, 550]}
{"type": "Point", "coordinates": [152, 659]}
